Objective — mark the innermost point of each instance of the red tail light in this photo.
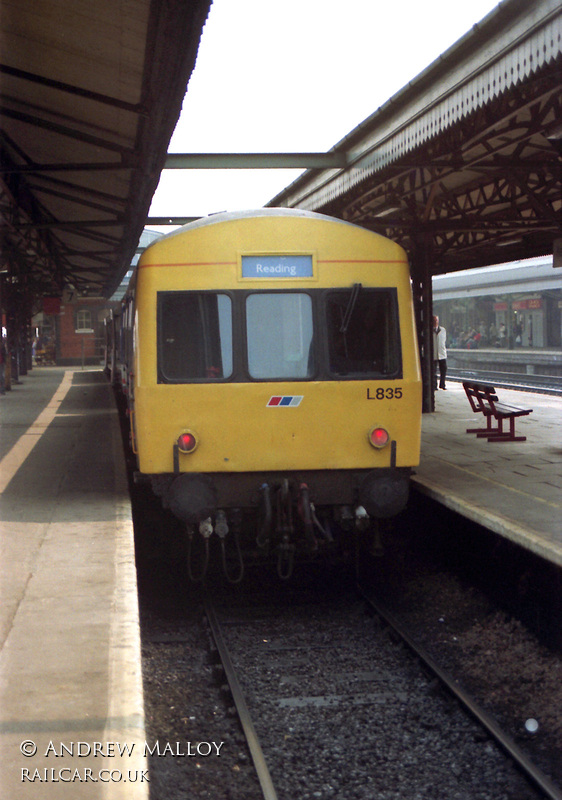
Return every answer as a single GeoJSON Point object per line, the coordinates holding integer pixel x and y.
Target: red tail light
{"type": "Point", "coordinates": [187, 442]}
{"type": "Point", "coordinates": [379, 437]}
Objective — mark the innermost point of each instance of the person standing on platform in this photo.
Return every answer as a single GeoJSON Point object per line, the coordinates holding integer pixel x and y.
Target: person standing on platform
{"type": "Point", "coordinates": [439, 353]}
{"type": "Point", "coordinates": [502, 334]}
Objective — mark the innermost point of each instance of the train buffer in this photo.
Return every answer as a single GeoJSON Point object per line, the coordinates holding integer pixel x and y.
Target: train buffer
{"type": "Point", "coordinates": [484, 400]}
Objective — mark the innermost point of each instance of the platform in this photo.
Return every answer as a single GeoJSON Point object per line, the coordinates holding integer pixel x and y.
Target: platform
{"type": "Point", "coordinates": [512, 488]}
{"type": "Point", "coordinates": [70, 669]}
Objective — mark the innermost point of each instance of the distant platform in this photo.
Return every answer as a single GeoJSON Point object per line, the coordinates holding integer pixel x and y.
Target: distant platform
{"type": "Point", "coordinates": [524, 360]}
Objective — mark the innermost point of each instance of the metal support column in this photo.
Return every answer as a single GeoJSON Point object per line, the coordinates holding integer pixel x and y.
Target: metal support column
{"type": "Point", "coordinates": [423, 309]}
{"type": "Point", "coordinates": [18, 313]}
{"type": "Point", "coordinates": [3, 342]}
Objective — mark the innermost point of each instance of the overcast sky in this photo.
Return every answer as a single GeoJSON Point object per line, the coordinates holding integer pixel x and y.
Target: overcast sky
{"type": "Point", "coordinates": [296, 76]}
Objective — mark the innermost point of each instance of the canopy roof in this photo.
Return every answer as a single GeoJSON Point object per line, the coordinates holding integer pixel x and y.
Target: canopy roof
{"type": "Point", "coordinates": [90, 95]}
{"type": "Point", "coordinates": [464, 162]}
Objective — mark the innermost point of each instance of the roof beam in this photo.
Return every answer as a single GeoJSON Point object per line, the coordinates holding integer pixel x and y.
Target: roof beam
{"type": "Point", "coordinates": [66, 224]}
{"type": "Point", "coordinates": [64, 130]}
{"type": "Point", "coordinates": [86, 166]}
{"type": "Point", "coordinates": [331, 160]}
{"type": "Point", "coordinates": [32, 77]}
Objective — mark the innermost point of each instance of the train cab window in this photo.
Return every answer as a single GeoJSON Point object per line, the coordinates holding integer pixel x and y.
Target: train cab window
{"type": "Point", "coordinates": [279, 335]}
{"type": "Point", "coordinates": [363, 332]}
{"type": "Point", "coordinates": [194, 336]}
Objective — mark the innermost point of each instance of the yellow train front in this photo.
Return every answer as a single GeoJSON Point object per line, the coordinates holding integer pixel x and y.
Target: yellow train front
{"type": "Point", "coordinates": [274, 380]}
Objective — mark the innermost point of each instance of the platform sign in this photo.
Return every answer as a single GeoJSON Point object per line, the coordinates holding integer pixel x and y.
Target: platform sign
{"type": "Point", "coordinates": [277, 266]}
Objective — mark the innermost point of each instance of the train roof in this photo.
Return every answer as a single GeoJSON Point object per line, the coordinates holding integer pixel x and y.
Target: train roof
{"type": "Point", "coordinates": [232, 216]}
{"type": "Point", "coordinates": [530, 275]}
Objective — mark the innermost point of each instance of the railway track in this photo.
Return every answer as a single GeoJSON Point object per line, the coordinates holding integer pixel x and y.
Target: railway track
{"type": "Point", "coordinates": [336, 707]}
{"type": "Point", "coordinates": [338, 704]}
{"type": "Point", "coordinates": [534, 775]}
{"type": "Point", "coordinates": [260, 764]}
{"type": "Point", "coordinates": [547, 384]}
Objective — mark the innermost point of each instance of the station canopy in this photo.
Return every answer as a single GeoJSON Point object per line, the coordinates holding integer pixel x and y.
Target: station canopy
{"type": "Point", "coordinates": [463, 165]}
{"type": "Point", "coordinates": [90, 95]}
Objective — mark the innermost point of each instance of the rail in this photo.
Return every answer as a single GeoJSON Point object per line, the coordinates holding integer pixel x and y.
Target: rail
{"type": "Point", "coordinates": [262, 770]}
{"type": "Point", "coordinates": [525, 765]}
{"type": "Point", "coordinates": [547, 384]}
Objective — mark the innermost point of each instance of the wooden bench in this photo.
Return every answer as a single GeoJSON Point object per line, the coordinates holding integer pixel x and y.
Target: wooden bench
{"type": "Point", "coordinates": [483, 399]}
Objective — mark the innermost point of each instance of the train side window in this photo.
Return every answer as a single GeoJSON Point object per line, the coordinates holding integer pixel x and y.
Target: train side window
{"type": "Point", "coordinates": [279, 334]}
{"type": "Point", "coordinates": [194, 336]}
{"type": "Point", "coordinates": [363, 332]}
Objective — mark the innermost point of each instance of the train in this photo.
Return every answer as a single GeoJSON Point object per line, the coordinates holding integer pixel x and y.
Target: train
{"type": "Point", "coordinates": [271, 368]}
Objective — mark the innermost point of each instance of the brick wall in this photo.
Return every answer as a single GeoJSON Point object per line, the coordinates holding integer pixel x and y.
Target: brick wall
{"type": "Point", "coordinates": [75, 347]}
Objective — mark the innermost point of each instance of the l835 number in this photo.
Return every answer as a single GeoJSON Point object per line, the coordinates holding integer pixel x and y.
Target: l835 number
{"type": "Point", "coordinates": [382, 393]}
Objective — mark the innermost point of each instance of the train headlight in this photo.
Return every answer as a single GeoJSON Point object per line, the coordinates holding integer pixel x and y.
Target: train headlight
{"type": "Point", "coordinates": [378, 437]}
{"type": "Point", "coordinates": [187, 442]}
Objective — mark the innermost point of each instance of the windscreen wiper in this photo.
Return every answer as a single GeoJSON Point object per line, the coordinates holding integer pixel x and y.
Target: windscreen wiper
{"type": "Point", "coordinates": [350, 306]}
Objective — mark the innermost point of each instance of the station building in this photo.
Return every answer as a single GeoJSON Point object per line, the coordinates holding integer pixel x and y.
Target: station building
{"type": "Point", "coordinates": [70, 330]}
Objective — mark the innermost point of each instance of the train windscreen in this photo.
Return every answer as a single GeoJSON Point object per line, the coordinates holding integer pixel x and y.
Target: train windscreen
{"type": "Point", "coordinates": [363, 332]}
{"type": "Point", "coordinates": [194, 336]}
{"type": "Point", "coordinates": [357, 335]}
{"type": "Point", "coordinates": [279, 335]}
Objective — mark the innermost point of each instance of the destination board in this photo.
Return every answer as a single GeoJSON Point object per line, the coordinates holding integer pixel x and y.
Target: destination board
{"type": "Point", "coordinates": [277, 266]}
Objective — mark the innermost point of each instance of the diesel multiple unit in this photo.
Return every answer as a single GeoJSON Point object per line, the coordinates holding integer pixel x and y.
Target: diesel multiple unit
{"type": "Point", "coordinates": [271, 366]}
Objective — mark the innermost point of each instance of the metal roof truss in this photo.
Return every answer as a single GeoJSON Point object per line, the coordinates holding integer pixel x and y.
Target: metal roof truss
{"type": "Point", "coordinates": [466, 158]}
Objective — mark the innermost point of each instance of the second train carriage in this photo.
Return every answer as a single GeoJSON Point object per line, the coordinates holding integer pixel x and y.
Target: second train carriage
{"type": "Point", "coordinates": [273, 378]}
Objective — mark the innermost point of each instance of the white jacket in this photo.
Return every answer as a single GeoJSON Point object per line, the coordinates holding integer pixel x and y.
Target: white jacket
{"type": "Point", "coordinates": [439, 339]}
